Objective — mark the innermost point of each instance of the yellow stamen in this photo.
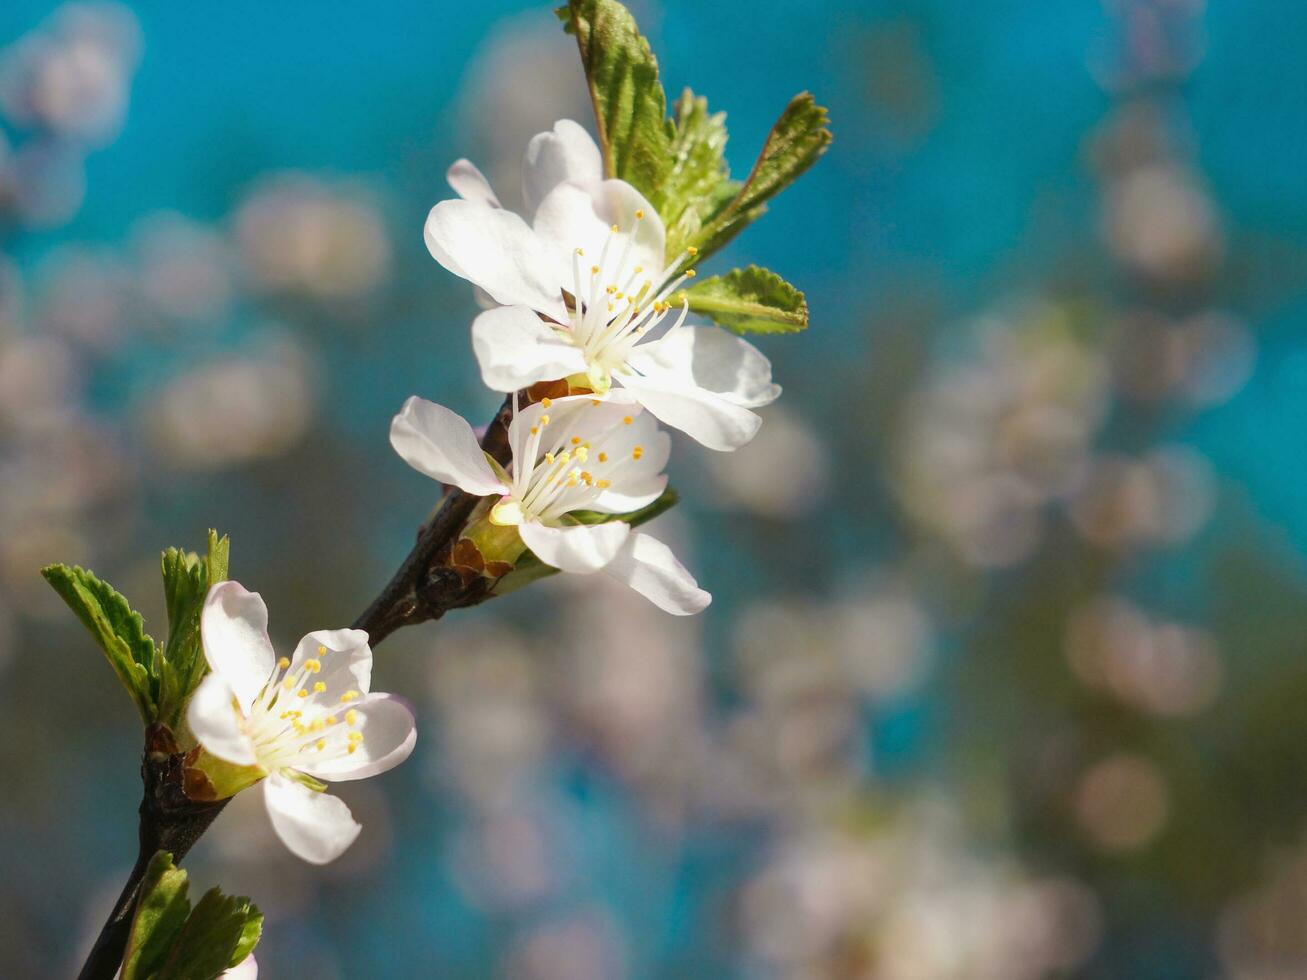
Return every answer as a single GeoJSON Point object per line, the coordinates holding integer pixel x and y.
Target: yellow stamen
{"type": "Point", "coordinates": [321, 744]}
{"type": "Point", "coordinates": [313, 666]}
{"type": "Point", "coordinates": [692, 250]}
{"type": "Point", "coordinates": [603, 457]}
{"type": "Point", "coordinates": [546, 402]}
{"type": "Point", "coordinates": [322, 651]}
{"type": "Point", "coordinates": [283, 663]}
{"type": "Point", "coordinates": [637, 452]}
{"type": "Point", "coordinates": [627, 420]}
{"type": "Point", "coordinates": [352, 717]}
{"type": "Point", "coordinates": [319, 687]}
{"type": "Point", "coordinates": [690, 273]}
{"type": "Point", "coordinates": [349, 696]}
{"type": "Point", "coordinates": [639, 215]}
{"type": "Point", "coordinates": [301, 693]}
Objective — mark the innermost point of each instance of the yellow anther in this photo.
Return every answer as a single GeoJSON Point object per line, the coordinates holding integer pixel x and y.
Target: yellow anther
{"type": "Point", "coordinates": [352, 717]}
{"type": "Point", "coordinates": [355, 737]}
{"type": "Point", "coordinates": [587, 478]}
{"type": "Point", "coordinates": [351, 749]}
{"type": "Point", "coordinates": [301, 693]}
{"type": "Point", "coordinates": [535, 430]}
{"type": "Point", "coordinates": [637, 452]}
{"type": "Point", "coordinates": [627, 420]}
{"type": "Point", "coordinates": [549, 458]}
{"type": "Point", "coordinates": [603, 457]}
{"type": "Point", "coordinates": [580, 251]}
{"type": "Point", "coordinates": [349, 696]}
{"type": "Point", "coordinates": [331, 719]}
{"type": "Point", "coordinates": [576, 440]}
{"type": "Point", "coordinates": [690, 273]}
{"type": "Point", "coordinates": [610, 290]}
{"type": "Point", "coordinates": [546, 402]}
{"type": "Point", "coordinates": [611, 307]}
{"type": "Point", "coordinates": [319, 687]}
{"type": "Point", "coordinates": [639, 215]}
{"type": "Point", "coordinates": [322, 651]}
{"type": "Point", "coordinates": [571, 480]}
{"type": "Point", "coordinates": [313, 666]}
{"type": "Point", "coordinates": [616, 229]}
{"type": "Point", "coordinates": [582, 453]}
{"type": "Point", "coordinates": [595, 401]}
{"type": "Point", "coordinates": [594, 270]}
{"type": "Point", "coordinates": [603, 484]}
{"type": "Point", "coordinates": [321, 744]}
{"type": "Point", "coordinates": [544, 420]}
{"type": "Point", "coordinates": [639, 269]}
{"type": "Point", "coordinates": [288, 684]}
{"type": "Point", "coordinates": [692, 250]}
{"type": "Point", "coordinates": [564, 456]}
{"type": "Point", "coordinates": [283, 663]}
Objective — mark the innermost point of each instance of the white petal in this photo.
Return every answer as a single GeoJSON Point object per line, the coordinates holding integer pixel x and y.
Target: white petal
{"type": "Point", "coordinates": [317, 827]}
{"type": "Point", "coordinates": [515, 349]}
{"type": "Point", "coordinates": [711, 359]}
{"type": "Point", "coordinates": [639, 481]}
{"type": "Point", "coordinates": [582, 548]}
{"type": "Point", "coordinates": [648, 566]}
{"type": "Point", "coordinates": [234, 629]}
{"type": "Point", "coordinates": [577, 215]}
{"type": "Point", "coordinates": [575, 415]}
{"type": "Point", "coordinates": [246, 969]}
{"type": "Point", "coordinates": [706, 417]}
{"type": "Point", "coordinates": [435, 441]}
{"type": "Point", "coordinates": [470, 184]}
{"type": "Point", "coordinates": [345, 657]}
{"type": "Point", "coordinates": [496, 250]}
{"type": "Point", "coordinates": [565, 153]}
{"type": "Point", "coordinates": [215, 722]}
{"type": "Point", "coordinates": [389, 734]}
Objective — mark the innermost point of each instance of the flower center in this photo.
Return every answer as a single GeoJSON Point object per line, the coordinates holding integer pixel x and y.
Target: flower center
{"type": "Point", "coordinates": [289, 722]}
{"type": "Point", "coordinates": [616, 304]}
{"type": "Point", "coordinates": [560, 471]}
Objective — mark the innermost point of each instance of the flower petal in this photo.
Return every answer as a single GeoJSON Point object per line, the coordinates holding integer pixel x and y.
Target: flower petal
{"type": "Point", "coordinates": [714, 360]}
{"type": "Point", "coordinates": [345, 657]}
{"type": "Point", "coordinates": [515, 349]}
{"type": "Point", "coordinates": [317, 827]}
{"type": "Point", "coordinates": [470, 184]}
{"type": "Point", "coordinates": [214, 721]}
{"type": "Point", "coordinates": [389, 734]}
{"type": "Point", "coordinates": [565, 153]}
{"type": "Point", "coordinates": [648, 566]}
{"type": "Point", "coordinates": [234, 629]}
{"type": "Point", "coordinates": [705, 416]}
{"type": "Point", "coordinates": [496, 250]}
{"type": "Point", "coordinates": [640, 481]}
{"type": "Point", "coordinates": [435, 441]}
{"type": "Point", "coordinates": [246, 969]}
{"type": "Point", "coordinates": [575, 215]}
{"type": "Point", "coordinates": [581, 548]}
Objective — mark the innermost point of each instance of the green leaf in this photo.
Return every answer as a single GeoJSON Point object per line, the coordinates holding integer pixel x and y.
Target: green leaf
{"type": "Point", "coordinates": [698, 182]}
{"type": "Point", "coordinates": [750, 300]}
{"type": "Point", "coordinates": [186, 582]}
{"type": "Point", "coordinates": [116, 628]}
{"type": "Point", "coordinates": [529, 568]}
{"type": "Point", "coordinates": [795, 142]}
{"type": "Point", "coordinates": [630, 107]}
{"type": "Point", "coordinates": [171, 941]}
{"type": "Point", "coordinates": [220, 933]}
{"type": "Point", "coordinates": [160, 913]}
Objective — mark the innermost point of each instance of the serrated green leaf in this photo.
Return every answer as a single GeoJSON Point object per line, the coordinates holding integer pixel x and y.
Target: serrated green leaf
{"type": "Point", "coordinates": [795, 142]}
{"type": "Point", "coordinates": [220, 932]}
{"type": "Point", "coordinates": [750, 300]}
{"type": "Point", "coordinates": [698, 182]}
{"type": "Point", "coordinates": [529, 568]}
{"type": "Point", "coordinates": [630, 106]}
{"type": "Point", "coordinates": [116, 628]}
{"type": "Point", "coordinates": [186, 582]}
{"type": "Point", "coordinates": [160, 912]}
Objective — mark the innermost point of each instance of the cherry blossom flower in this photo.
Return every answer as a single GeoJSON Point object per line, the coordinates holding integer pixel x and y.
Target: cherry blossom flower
{"type": "Point", "coordinates": [583, 288]}
{"type": "Point", "coordinates": [295, 721]}
{"type": "Point", "coordinates": [568, 454]}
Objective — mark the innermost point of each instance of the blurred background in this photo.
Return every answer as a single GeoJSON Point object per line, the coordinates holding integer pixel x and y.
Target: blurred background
{"type": "Point", "coordinates": [1004, 678]}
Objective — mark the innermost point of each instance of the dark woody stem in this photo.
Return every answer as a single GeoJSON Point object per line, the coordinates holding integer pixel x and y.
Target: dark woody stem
{"type": "Point", "coordinates": [423, 588]}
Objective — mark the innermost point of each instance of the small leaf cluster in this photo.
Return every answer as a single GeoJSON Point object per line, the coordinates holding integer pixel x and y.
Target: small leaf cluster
{"type": "Point", "coordinates": [160, 678]}
{"type": "Point", "coordinates": [170, 940]}
{"type": "Point", "coordinates": [679, 164]}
